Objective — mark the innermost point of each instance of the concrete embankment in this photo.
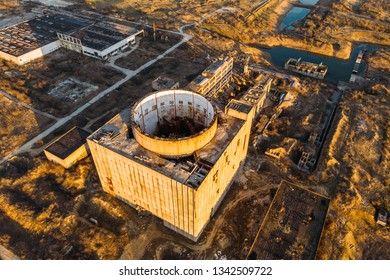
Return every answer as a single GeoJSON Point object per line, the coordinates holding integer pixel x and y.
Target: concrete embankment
{"type": "Point", "coordinates": [341, 51]}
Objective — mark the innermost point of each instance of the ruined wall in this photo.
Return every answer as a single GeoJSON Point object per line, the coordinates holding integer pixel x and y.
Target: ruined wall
{"type": "Point", "coordinates": [37, 53]}
{"type": "Point", "coordinates": [74, 157]}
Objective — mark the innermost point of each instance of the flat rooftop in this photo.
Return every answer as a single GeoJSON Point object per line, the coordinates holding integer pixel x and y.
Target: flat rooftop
{"type": "Point", "coordinates": [212, 68]}
{"type": "Point", "coordinates": [102, 35]}
{"type": "Point", "coordinates": [69, 142]}
{"type": "Point", "coordinates": [207, 74]}
{"type": "Point", "coordinates": [198, 81]}
{"type": "Point", "coordinates": [26, 36]}
{"type": "Point", "coordinates": [293, 225]}
{"type": "Point", "coordinates": [164, 82]}
{"type": "Point", "coordinates": [239, 106]}
{"type": "Point", "coordinates": [114, 135]}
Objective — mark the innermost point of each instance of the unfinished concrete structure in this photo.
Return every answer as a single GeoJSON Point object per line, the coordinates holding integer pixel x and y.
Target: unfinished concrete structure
{"type": "Point", "coordinates": [69, 148]}
{"type": "Point", "coordinates": [293, 225]}
{"type": "Point", "coordinates": [35, 38]}
{"type": "Point", "coordinates": [250, 104]}
{"type": "Point", "coordinates": [257, 94]}
{"type": "Point", "coordinates": [170, 156]}
{"type": "Point", "coordinates": [310, 69]}
{"type": "Point", "coordinates": [213, 78]}
{"type": "Point", "coordinates": [164, 83]}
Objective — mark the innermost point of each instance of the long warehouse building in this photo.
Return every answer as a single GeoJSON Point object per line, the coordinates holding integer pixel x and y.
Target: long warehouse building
{"type": "Point", "coordinates": [32, 39]}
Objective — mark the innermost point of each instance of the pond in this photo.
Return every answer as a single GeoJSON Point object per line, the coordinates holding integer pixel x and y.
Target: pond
{"type": "Point", "coordinates": [338, 69]}
{"type": "Point", "coordinates": [292, 16]}
{"type": "Point", "coordinates": [309, 2]}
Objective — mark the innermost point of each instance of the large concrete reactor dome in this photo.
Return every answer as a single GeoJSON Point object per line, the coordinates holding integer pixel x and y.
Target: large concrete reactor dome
{"type": "Point", "coordinates": [174, 123]}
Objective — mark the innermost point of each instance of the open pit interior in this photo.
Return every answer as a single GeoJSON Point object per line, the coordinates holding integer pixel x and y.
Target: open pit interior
{"type": "Point", "coordinates": [173, 114]}
{"type": "Point", "coordinates": [174, 123]}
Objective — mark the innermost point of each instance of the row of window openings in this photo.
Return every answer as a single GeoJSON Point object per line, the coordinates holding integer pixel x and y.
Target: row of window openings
{"type": "Point", "coordinates": [155, 108]}
{"type": "Point", "coordinates": [181, 102]}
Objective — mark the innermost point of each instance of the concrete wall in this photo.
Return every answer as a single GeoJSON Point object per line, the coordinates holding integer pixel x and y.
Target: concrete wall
{"type": "Point", "coordinates": [235, 113]}
{"type": "Point", "coordinates": [70, 42]}
{"type": "Point", "coordinates": [213, 189]}
{"type": "Point", "coordinates": [140, 185]}
{"type": "Point", "coordinates": [37, 53]}
{"type": "Point", "coordinates": [9, 57]}
{"type": "Point", "coordinates": [169, 105]}
{"type": "Point", "coordinates": [183, 209]}
{"type": "Point", "coordinates": [107, 52]}
{"type": "Point", "coordinates": [77, 155]}
{"type": "Point", "coordinates": [173, 148]}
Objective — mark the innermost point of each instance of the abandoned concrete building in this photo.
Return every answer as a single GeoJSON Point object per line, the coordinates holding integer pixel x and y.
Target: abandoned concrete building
{"type": "Point", "coordinates": [253, 99]}
{"type": "Point", "coordinates": [164, 83]}
{"type": "Point", "coordinates": [37, 37]}
{"type": "Point", "coordinates": [69, 148]}
{"type": "Point", "coordinates": [100, 40]}
{"type": "Point", "coordinates": [213, 78]}
{"type": "Point", "coordinates": [174, 154]}
{"type": "Point", "coordinates": [292, 227]}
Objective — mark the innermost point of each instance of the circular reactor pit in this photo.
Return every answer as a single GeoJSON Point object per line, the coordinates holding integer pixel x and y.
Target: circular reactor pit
{"type": "Point", "coordinates": [174, 123]}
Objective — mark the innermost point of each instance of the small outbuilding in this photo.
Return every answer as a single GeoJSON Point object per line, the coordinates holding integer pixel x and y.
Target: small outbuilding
{"type": "Point", "coordinates": [382, 218]}
{"type": "Point", "coordinates": [69, 148]}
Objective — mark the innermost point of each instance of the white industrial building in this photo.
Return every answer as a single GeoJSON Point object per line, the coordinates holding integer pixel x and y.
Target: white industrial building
{"type": "Point", "coordinates": [32, 39]}
{"type": "Point", "coordinates": [100, 40]}
{"type": "Point", "coordinates": [35, 38]}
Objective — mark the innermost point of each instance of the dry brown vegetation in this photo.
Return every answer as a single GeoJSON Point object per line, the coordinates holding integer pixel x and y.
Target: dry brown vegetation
{"type": "Point", "coordinates": [148, 49]}
{"type": "Point", "coordinates": [30, 83]}
{"type": "Point", "coordinates": [9, 4]}
{"type": "Point", "coordinates": [18, 125]}
{"type": "Point", "coordinates": [166, 12]}
{"type": "Point", "coordinates": [356, 170]}
{"type": "Point", "coordinates": [46, 213]}
{"type": "Point", "coordinates": [357, 167]}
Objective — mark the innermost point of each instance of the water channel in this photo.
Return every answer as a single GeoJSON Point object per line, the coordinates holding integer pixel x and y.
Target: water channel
{"type": "Point", "coordinates": [292, 16]}
{"type": "Point", "coordinates": [296, 14]}
{"type": "Point", "coordinates": [309, 2]}
{"type": "Point", "coordinates": [338, 69]}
